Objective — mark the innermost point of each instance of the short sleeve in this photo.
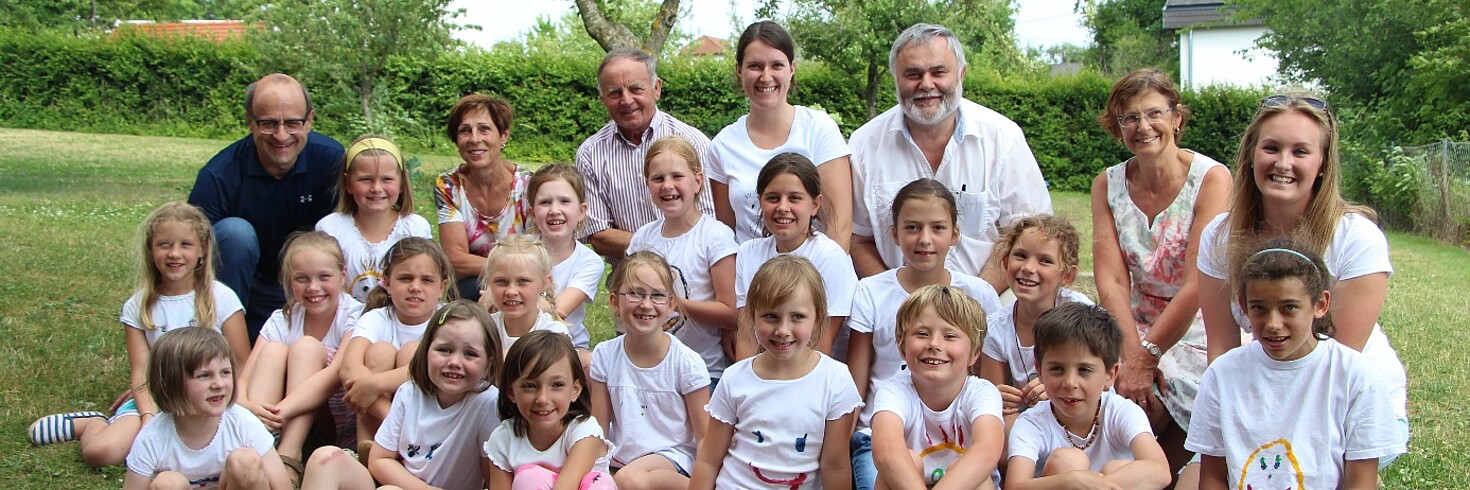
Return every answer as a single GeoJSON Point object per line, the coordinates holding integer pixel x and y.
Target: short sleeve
{"type": "Point", "coordinates": [996, 327]}
{"type": "Point", "coordinates": [253, 431]}
{"type": "Point", "coordinates": [275, 328]}
{"type": "Point", "coordinates": [861, 220]}
{"type": "Point", "coordinates": [1126, 420]}
{"type": "Point", "coordinates": [392, 428]}
{"type": "Point", "coordinates": [894, 398]}
{"type": "Point", "coordinates": [132, 314]}
{"type": "Point", "coordinates": [143, 456]}
{"type": "Point", "coordinates": [1359, 249]}
{"type": "Point", "coordinates": [1370, 420]}
{"type": "Point", "coordinates": [602, 359]}
{"type": "Point", "coordinates": [419, 227]}
{"type": "Point", "coordinates": [714, 166]}
{"type": "Point", "coordinates": [1211, 258]}
{"type": "Point", "coordinates": [721, 407]}
{"type": "Point", "coordinates": [718, 240]}
{"type": "Point", "coordinates": [842, 394]}
{"type": "Point", "coordinates": [588, 273]}
{"type": "Point", "coordinates": [1028, 439]}
{"type": "Point", "coordinates": [840, 280]}
{"type": "Point", "coordinates": [226, 303]}
{"type": "Point", "coordinates": [444, 199]}
{"type": "Point", "coordinates": [209, 192]}
{"type": "Point", "coordinates": [1204, 435]}
{"type": "Point", "coordinates": [826, 140]}
{"type": "Point", "coordinates": [861, 314]}
{"type": "Point", "coordinates": [693, 374]}
{"type": "Point", "coordinates": [983, 399]}
{"type": "Point", "coordinates": [371, 325]}
{"type": "Point", "coordinates": [497, 449]}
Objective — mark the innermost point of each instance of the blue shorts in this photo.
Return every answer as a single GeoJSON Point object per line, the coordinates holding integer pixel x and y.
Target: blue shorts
{"type": "Point", "coordinates": [127, 409]}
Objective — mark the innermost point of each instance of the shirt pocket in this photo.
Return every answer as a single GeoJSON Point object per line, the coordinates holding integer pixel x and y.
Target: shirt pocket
{"type": "Point", "coordinates": [977, 212]}
{"type": "Point", "coordinates": [883, 194]}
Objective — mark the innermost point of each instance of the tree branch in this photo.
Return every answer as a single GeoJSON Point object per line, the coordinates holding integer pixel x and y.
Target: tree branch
{"type": "Point", "coordinates": [663, 24]}
{"type": "Point", "coordinates": [608, 34]}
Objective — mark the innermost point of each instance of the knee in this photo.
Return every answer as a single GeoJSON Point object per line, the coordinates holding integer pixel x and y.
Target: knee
{"type": "Point", "coordinates": [307, 350]}
{"type": "Point", "coordinates": [405, 354]}
{"type": "Point", "coordinates": [327, 457]}
{"type": "Point", "coordinates": [236, 235]}
{"type": "Point", "coordinates": [98, 454]}
{"type": "Point", "coordinates": [273, 353]}
{"type": "Point", "coordinates": [380, 357]}
{"type": "Point", "coordinates": [169, 480]}
{"type": "Point", "coordinates": [1066, 459]}
{"type": "Point", "coordinates": [628, 480]}
{"type": "Point", "coordinates": [244, 466]}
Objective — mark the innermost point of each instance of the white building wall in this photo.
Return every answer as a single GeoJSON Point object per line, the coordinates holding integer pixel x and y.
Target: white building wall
{"type": "Point", "coordinates": [1224, 56]}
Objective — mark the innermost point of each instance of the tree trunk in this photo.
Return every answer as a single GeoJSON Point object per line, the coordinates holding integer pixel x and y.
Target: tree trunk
{"type": "Point", "coordinates": [612, 35]}
{"type": "Point", "coordinates": [365, 95]}
{"type": "Point", "coordinates": [870, 94]}
{"type": "Point", "coordinates": [663, 24]}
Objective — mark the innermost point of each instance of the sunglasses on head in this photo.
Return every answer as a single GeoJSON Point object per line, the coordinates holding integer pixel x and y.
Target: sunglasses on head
{"type": "Point", "coordinates": [1285, 100]}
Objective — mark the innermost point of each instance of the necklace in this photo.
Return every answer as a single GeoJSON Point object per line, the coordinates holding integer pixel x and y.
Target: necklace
{"type": "Point", "coordinates": [1091, 435]}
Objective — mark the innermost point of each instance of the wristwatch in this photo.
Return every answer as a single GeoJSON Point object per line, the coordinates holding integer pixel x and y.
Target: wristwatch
{"type": "Point", "coordinates": [1153, 349]}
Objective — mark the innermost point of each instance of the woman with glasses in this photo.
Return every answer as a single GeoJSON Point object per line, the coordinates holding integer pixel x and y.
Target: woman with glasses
{"type": "Point", "coordinates": [1147, 216]}
{"type": "Point", "coordinates": [1286, 186]}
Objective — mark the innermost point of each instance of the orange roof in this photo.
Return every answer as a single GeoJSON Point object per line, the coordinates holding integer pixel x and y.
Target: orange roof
{"type": "Point", "coordinates": [705, 46]}
{"type": "Point", "coordinates": [213, 30]}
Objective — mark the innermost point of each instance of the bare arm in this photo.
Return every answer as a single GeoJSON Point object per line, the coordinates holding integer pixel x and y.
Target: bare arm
{"type": "Point", "coordinates": [456, 246]}
{"type": "Point", "coordinates": [1212, 473]}
{"type": "Point", "coordinates": [720, 194]}
{"type": "Point", "coordinates": [891, 454]}
{"type": "Point", "coordinates": [721, 311]}
{"type": "Point", "coordinates": [237, 336]}
{"type": "Point", "coordinates": [498, 479]}
{"type": "Point", "coordinates": [1178, 315]}
{"type": "Point", "coordinates": [1149, 469]}
{"type": "Point", "coordinates": [611, 242]}
{"type": "Point", "coordinates": [865, 257]}
{"type": "Point", "coordinates": [860, 360]}
{"type": "Point", "coordinates": [1360, 474]}
{"type": "Point", "coordinates": [836, 461]}
{"type": "Point", "coordinates": [134, 481]}
{"type": "Point", "coordinates": [383, 464]}
{"type": "Point", "coordinates": [974, 467]}
{"type": "Point", "coordinates": [313, 392]}
{"type": "Point", "coordinates": [568, 300]}
{"type": "Point", "coordinates": [137, 345]}
{"type": "Point", "coordinates": [1355, 306]}
{"type": "Point", "coordinates": [1114, 285]}
{"type": "Point", "coordinates": [600, 403]}
{"type": "Point", "coordinates": [694, 403]}
{"type": "Point", "coordinates": [1221, 331]}
{"type": "Point", "coordinates": [275, 470]}
{"type": "Point", "coordinates": [837, 188]}
{"type": "Point", "coordinates": [711, 455]}
{"type": "Point", "coordinates": [829, 337]}
{"type": "Point", "coordinates": [354, 363]}
{"type": "Point", "coordinates": [580, 458]}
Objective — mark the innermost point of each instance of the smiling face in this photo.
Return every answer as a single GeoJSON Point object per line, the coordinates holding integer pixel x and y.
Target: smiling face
{"type": "Point", "coordinates": [787, 330]}
{"type": "Point", "coordinates": [316, 281]}
{"type": "Point", "coordinates": [374, 183]}
{"type": "Point", "coordinates": [673, 186]}
{"type": "Point", "coordinates": [1035, 267]}
{"type": "Point", "coordinates": [928, 81]}
{"type": "Point", "coordinates": [544, 400]}
{"type": "Point", "coordinates": [787, 210]}
{"type": "Point", "coordinates": [765, 74]}
{"type": "Point", "coordinates": [479, 139]}
{"type": "Point", "coordinates": [1150, 138]}
{"type": "Point", "coordinates": [1282, 313]}
{"type": "Point", "coordinates": [936, 350]}
{"type": "Point", "coordinates": [641, 316]}
{"type": "Point", "coordinates": [1075, 379]}
{"type": "Point", "coordinates": [1287, 160]}
{"type": "Point", "coordinates": [210, 389]}
{"type": "Point", "coordinates": [516, 283]}
{"type": "Point", "coordinates": [176, 252]}
{"type": "Point", "coordinates": [925, 231]}
{"type": "Point", "coordinates": [415, 285]}
{"type": "Point", "coordinates": [278, 102]}
{"type": "Point", "coordinates": [456, 360]}
{"type": "Point", "coordinates": [557, 210]}
{"type": "Point", "coordinates": [629, 93]}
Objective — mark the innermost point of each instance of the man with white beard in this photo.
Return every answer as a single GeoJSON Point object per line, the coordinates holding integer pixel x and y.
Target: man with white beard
{"type": "Point", "coordinates": [934, 132]}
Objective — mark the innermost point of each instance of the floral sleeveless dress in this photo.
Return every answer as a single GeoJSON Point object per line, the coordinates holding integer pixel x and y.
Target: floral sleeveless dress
{"type": "Point", "coordinates": [1155, 257]}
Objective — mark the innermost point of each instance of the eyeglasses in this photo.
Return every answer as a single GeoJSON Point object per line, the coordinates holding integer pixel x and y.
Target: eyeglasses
{"type": "Point", "coordinates": [635, 297]}
{"type": "Point", "coordinates": [270, 126]}
{"type": "Point", "coordinates": [1153, 116]}
{"type": "Point", "coordinates": [1286, 100]}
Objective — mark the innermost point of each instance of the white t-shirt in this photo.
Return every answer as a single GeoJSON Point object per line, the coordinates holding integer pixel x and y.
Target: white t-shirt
{"type": "Point", "coordinates": [1358, 248]}
{"type": "Point", "coordinates": [832, 263]}
{"type": "Point", "coordinates": [364, 259]}
{"type": "Point", "coordinates": [508, 452]}
{"type": "Point", "coordinates": [158, 447]}
{"type": "Point", "coordinates": [544, 321]}
{"type": "Point", "coordinates": [692, 255]}
{"type": "Point", "coordinates": [440, 445]}
{"type": "Point", "coordinates": [580, 271]}
{"type": "Point", "coordinates": [939, 437]}
{"type": "Point", "coordinates": [1036, 433]}
{"type": "Point", "coordinates": [736, 161]}
{"type": "Point", "coordinates": [278, 329]}
{"type": "Point", "coordinates": [875, 311]}
{"type": "Point", "coordinates": [174, 312]}
{"type": "Point", "coordinates": [382, 325]}
{"type": "Point", "coordinates": [779, 424]}
{"type": "Point", "coordinates": [1002, 345]}
{"type": "Point", "coordinates": [648, 410]}
{"type": "Point", "coordinates": [987, 165]}
{"type": "Point", "coordinates": [1292, 421]}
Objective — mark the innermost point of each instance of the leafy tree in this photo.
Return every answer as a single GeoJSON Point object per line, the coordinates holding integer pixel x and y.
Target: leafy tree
{"type": "Point", "coordinates": [346, 44]}
{"type": "Point", "coordinates": [80, 14]}
{"type": "Point", "coordinates": [620, 24]}
{"type": "Point", "coordinates": [1128, 35]}
{"type": "Point", "coordinates": [856, 35]}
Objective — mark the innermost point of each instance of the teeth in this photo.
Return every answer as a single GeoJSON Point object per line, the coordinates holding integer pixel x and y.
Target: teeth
{"type": "Point", "coordinates": [784, 221]}
{"type": "Point", "coordinates": [1281, 179]}
{"type": "Point", "coordinates": [556, 222]}
{"type": "Point", "coordinates": [933, 362]}
{"type": "Point", "coordinates": [1027, 283]}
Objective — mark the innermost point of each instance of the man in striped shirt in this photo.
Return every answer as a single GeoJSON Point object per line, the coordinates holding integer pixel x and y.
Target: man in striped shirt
{"type": "Point", "coordinates": [611, 160]}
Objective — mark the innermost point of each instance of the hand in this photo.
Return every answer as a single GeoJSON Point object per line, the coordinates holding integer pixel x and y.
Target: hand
{"type": "Point", "coordinates": [270, 415]}
{"type": "Point", "coordinates": [1086, 480]}
{"type": "Point", "coordinates": [487, 302]}
{"type": "Point", "coordinates": [727, 342]}
{"type": "Point", "coordinates": [1011, 399]}
{"type": "Point", "coordinates": [1034, 392]}
{"type": "Point", "coordinates": [359, 394]}
{"type": "Point", "coordinates": [1137, 376]}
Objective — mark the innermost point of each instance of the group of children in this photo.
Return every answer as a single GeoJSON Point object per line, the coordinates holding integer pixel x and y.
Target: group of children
{"type": "Point", "coordinates": [836, 382]}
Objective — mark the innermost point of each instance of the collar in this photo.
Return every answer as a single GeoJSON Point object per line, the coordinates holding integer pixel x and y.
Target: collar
{"type": "Point", "coordinates": [655, 123]}
{"type": "Point", "coordinates": [900, 124]}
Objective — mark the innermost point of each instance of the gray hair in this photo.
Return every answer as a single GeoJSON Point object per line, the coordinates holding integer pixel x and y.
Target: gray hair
{"type": "Point", "coordinates": [923, 33]}
{"type": "Point", "coordinates": [628, 54]}
{"type": "Point", "coordinates": [270, 79]}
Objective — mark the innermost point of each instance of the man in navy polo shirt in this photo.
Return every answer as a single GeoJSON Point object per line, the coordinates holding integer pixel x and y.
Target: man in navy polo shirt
{"type": "Point", "coordinates": [260, 189]}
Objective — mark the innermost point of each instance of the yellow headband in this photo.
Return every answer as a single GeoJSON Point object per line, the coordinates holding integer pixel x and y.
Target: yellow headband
{"type": "Point", "coordinates": [372, 144]}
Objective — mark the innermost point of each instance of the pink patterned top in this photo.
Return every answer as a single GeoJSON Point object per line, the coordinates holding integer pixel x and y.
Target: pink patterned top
{"type": "Point", "coordinates": [454, 206]}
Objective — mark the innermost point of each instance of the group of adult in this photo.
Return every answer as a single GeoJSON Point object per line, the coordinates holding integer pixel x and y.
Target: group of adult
{"type": "Point", "coordinates": [1170, 225]}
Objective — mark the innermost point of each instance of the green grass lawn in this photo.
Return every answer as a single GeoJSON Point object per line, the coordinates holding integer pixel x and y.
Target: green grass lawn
{"type": "Point", "coordinates": [70, 204]}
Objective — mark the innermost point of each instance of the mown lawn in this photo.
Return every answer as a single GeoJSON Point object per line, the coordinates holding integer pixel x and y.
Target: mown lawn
{"type": "Point", "coordinates": [70, 204]}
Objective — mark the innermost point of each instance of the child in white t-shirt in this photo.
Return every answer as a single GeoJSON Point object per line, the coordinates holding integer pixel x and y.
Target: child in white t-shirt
{"type": "Point", "coordinates": [374, 211]}
{"type": "Point", "coordinates": [699, 248]}
{"type": "Point", "coordinates": [1083, 436]}
{"type": "Point", "coordinates": [1293, 408]}
{"type": "Point", "coordinates": [546, 433]}
{"type": "Point", "coordinates": [647, 388]}
{"type": "Point", "coordinates": [783, 417]}
{"type": "Point", "coordinates": [558, 210]}
{"type": "Point", "coordinates": [202, 439]}
{"type": "Point", "coordinates": [517, 277]}
{"type": "Point", "coordinates": [936, 423]}
{"type": "Point", "coordinates": [439, 418]}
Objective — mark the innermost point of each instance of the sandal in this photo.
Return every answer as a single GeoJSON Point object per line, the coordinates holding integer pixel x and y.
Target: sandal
{"type": "Point", "coordinates": [58, 427]}
{"type": "Point", "coordinates": [296, 470]}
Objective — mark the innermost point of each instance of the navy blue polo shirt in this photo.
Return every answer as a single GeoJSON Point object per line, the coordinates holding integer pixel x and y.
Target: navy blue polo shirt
{"type": "Point", "coordinates": [233, 184]}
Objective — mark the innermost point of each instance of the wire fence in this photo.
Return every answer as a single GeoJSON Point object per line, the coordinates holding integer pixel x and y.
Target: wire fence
{"type": "Point", "coordinates": [1426, 188]}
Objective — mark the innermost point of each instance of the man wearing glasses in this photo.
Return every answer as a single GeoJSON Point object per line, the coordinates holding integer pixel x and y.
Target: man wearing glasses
{"type": "Point", "coordinates": [260, 189]}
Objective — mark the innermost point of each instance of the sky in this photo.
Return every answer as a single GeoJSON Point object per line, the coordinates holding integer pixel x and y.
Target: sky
{"type": "Point", "coordinates": [1039, 23]}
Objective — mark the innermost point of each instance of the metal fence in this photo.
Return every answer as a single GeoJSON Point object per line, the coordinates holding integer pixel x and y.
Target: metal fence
{"type": "Point", "coordinates": [1439, 175]}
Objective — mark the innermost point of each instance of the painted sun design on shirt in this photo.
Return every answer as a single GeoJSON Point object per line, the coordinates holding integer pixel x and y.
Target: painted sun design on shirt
{"type": "Point", "coordinates": [1273, 466]}
{"type": "Point", "coordinates": [942, 452]}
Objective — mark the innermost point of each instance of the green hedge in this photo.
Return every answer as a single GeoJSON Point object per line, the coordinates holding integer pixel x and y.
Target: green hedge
{"type": "Point", "coordinates": [188, 87]}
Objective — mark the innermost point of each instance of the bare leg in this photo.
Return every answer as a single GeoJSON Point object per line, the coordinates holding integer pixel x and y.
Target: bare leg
{"type": "Point", "coordinates": [105, 444]}
{"type": "Point", "coordinates": [169, 480]}
{"type": "Point", "coordinates": [651, 472]}
{"type": "Point", "coordinates": [305, 358]}
{"type": "Point", "coordinates": [244, 471]}
{"type": "Point", "coordinates": [1066, 459]}
{"type": "Point", "coordinates": [380, 357]}
{"type": "Point", "coordinates": [268, 378]}
{"type": "Point", "coordinates": [330, 468]}
{"type": "Point", "coordinates": [1189, 478]}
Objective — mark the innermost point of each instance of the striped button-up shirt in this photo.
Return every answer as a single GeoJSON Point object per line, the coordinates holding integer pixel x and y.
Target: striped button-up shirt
{"type": "Point", "coordinates": [617, 193]}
